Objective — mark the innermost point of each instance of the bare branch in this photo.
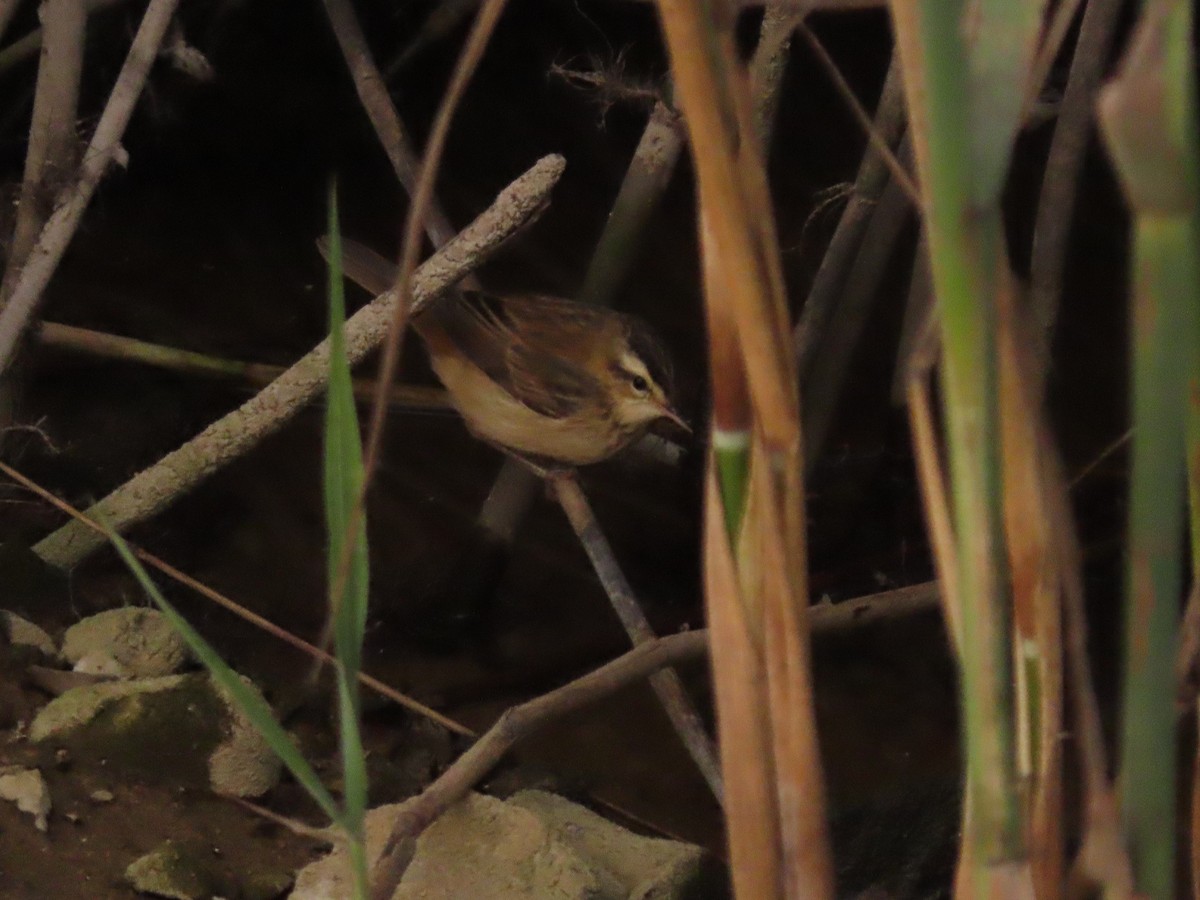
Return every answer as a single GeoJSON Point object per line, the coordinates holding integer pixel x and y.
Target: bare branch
{"type": "Point", "coordinates": [152, 490]}
{"type": "Point", "coordinates": [515, 725]}
{"type": "Point", "coordinates": [103, 148]}
{"type": "Point", "coordinates": [667, 684]}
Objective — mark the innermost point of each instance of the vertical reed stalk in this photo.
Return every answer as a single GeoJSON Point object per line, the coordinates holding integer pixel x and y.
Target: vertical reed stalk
{"type": "Point", "coordinates": [1148, 118]}
{"type": "Point", "coordinates": [960, 62]}
{"type": "Point", "coordinates": [755, 558]}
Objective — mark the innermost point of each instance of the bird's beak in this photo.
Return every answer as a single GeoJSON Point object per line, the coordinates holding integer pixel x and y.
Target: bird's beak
{"type": "Point", "coordinates": [671, 416]}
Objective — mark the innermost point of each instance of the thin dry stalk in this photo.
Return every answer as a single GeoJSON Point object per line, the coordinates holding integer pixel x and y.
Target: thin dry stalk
{"type": "Point", "coordinates": [738, 229]}
{"type": "Point", "coordinates": [743, 719]}
{"type": "Point", "coordinates": [932, 478]}
{"type": "Point", "coordinates": [513, 726]}
{"type": "Point", "coordinates": [152, 490]}
{"type": "Point", "coordinates": [27, 290]}
{"type": "Point", "coordinates": [389, 128]}
{"type": "Point", "coordinates": [918, 345]}
{"type": "Point", "coordinates": [757, 585]}
{"type": "Point", "coordinates": [1035, 586]}
{"type": "Point", "coordinates": [781, 563]}
{"type": "Point", "coordinates": [237, 609]}
{"type": "Point", "coordinates": [860, 293]}
{"type": "Point", "coordinates": [1052, 42]}
{"type": "Point", "coordinates": [879, 141]}
{"type": "Point", "coordinates": [418, 210]}
{"type": "Point", "coordinates": [667, 684]}
{"type": "Point", "coordinates": [50, 157]}
{"type": "Point", "coordinates": [113, 346]}
{"type": "Point", "coordinates": [768, 65]}
{"type": "Point", "coordinates": [869, 184]}
{"type": "Point", "coordinates": [1072, 134]}
{"type": "Point", "coordinates": [1102, 860]}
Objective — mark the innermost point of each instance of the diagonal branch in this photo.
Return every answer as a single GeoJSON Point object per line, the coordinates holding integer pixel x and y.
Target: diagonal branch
{"type": "Point", "coordinates": [667, 684]}
{"type": "Point", "coordinates": [382, 112]}
{"type": "Point", "coordinates": [152, 490]}
{"type": "Point", "coordinates": [105, 144]}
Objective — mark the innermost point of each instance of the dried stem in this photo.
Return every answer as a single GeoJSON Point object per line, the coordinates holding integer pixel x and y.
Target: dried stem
{"type": "Point", "coordinates": [27, 290]}
{"type": "Point", "coordinates": [1060, 182]}
{"type": "Point", "coordinates": [154, 489]}
{"type": "Point", "coordinates": [869, 184]}
{"type": "Point", "coordinates": [515, 725]}
{"type": "Point", "coordinates": [50, 158]}
{"type": "Point", "coordinates": [237, 609]}
{"type": "Point", "coordinates": [418, 210]}
{"type": "Point", "coordinates": [112, 346]}
{"type": "Point", "coordinates": [823, 387]}
{"type": "Point", "coordinates": [383, 115]}
{"type": "Point", "coordinates": [768, 65]}
{"type": "Point", "coordinates": [879, 141]}
{"type": "Point", "coordinates": [667, 684]}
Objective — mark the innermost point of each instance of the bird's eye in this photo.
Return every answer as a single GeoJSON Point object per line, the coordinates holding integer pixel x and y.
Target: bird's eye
{"type": "Point", "coordinates": [640, 384]}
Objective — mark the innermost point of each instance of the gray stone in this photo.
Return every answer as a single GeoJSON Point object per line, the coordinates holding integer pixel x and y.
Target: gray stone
{"type": "Point", "coordinates": [140, 641]}
{"type": "Point", "coordinates": [24, 633]}
{"type": "Point", "coordinates": [27, 788]}
{"type": "Point", "coordinates": [535, 846]}
{"type": "Point", "coordinates": [169, 870]}
{"type": "Point", "coordinates": [175, 729]}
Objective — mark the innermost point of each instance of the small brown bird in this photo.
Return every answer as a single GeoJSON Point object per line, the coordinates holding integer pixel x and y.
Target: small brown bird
{"type": "Point", "coordinates": [544, 378]}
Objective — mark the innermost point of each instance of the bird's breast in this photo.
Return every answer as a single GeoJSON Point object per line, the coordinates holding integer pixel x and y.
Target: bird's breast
{"type": "Point", "coordinates": [494, 415]}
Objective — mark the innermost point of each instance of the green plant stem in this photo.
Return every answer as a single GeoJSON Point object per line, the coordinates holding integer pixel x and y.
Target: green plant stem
{"type": "Point", "coordinates": [1148, 115]}
{"type": "Point", "coordinates": [1148, 756]}
{"type": "Point", "coordinates": [966, 249]}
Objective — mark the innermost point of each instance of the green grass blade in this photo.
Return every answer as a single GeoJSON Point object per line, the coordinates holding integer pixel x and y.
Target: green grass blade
{"type": "Point", "coordinates": [249, 701]}
{"type": "Point", "coordinates": [343, 490]}
{"type": "Point", "coordinates": [343, 473]}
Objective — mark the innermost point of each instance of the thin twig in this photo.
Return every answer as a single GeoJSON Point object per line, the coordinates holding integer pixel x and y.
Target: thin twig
{"type": "Point", "coordinates": [868, 186]}
{"type": "Point", "coordinates": [410, 247]}
{"type": "Point", "coordinates": [1102, 857]}
{"type": "Point", "coordinates": [1104, 454]}
{"type": "Point", "coordinates": [768, 66]}
{"type": "Point", "coordinates": [1054, 36]}
{"type": "Point", "coordinates": [152, 490]}
{"type": "Point", "coordinates": [879, 142]}
{"type": "Point", "coordinates": [113, 346]}
{"type": "Point", "coordinates": [515, 725]}
{"type": "Point", "coordinates": [932, 480]}
{"type": "Point", "coordinates": [1060, 182]}
{"type": "Point", "coordinates": [418, 210]}
{"type": "Point", "coordinates": [236, 608]}
{"type": "Point", "coordinates": [667, 684]}
{"type": "Point", "coordinates": [383, 115]}
{"type": "Point", "coordinates": [859, 295]}
{"type": "Point", "coordinates": [106, 142]}
{"type": "Point", "coordinates": [917, 349]}
{"type": "Point", "coordinates": [50, 157]}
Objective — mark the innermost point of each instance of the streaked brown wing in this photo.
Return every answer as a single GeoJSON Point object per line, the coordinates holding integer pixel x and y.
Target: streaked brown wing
{"type": "Point", "coordinates": [522, 343]}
